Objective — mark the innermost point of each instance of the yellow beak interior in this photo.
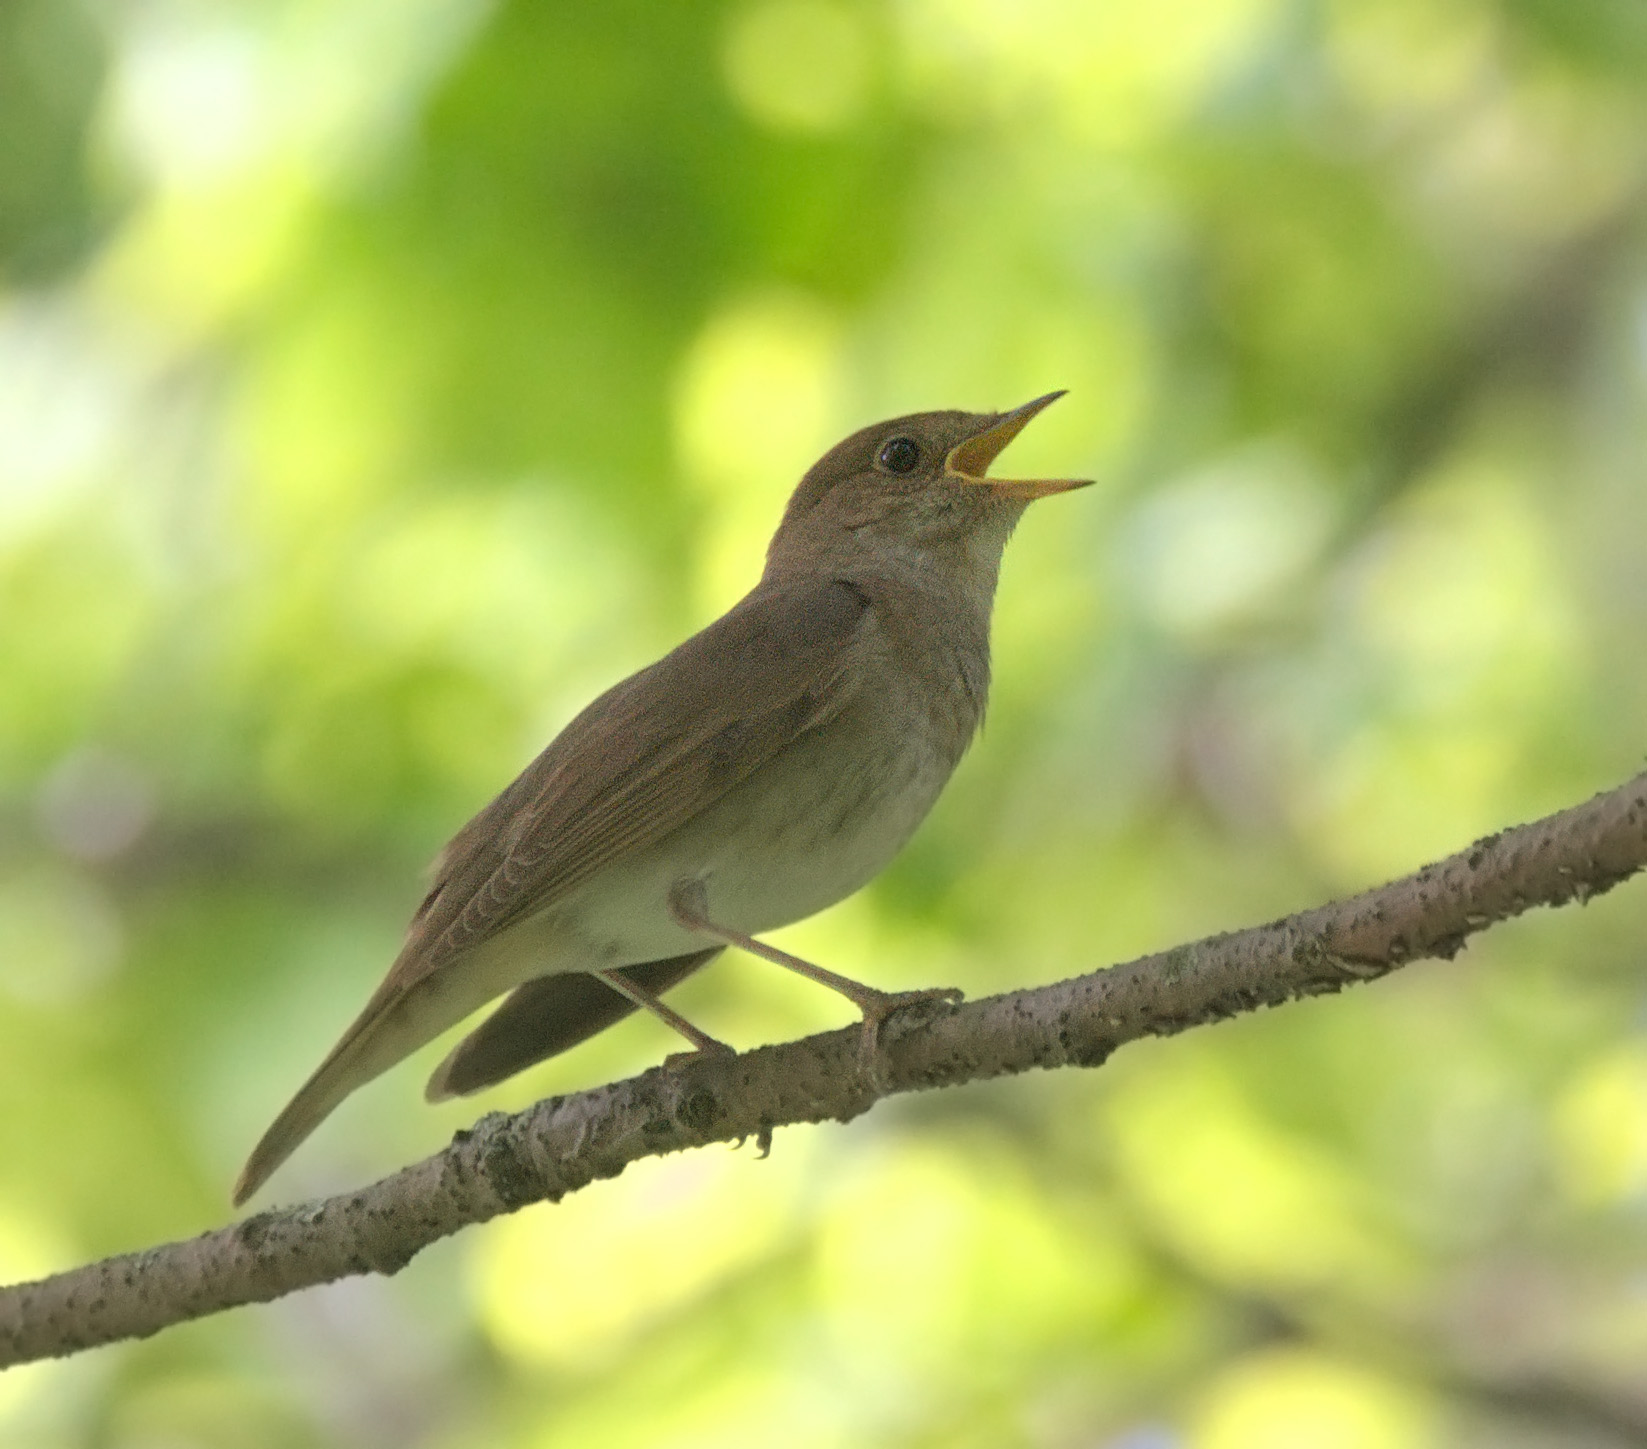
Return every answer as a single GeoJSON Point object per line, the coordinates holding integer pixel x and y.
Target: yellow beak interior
{"type": "Point", "coordinates": [968, 462]}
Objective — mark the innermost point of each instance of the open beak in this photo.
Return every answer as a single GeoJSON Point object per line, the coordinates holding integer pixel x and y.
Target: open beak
{"type": "Point", "coordinates": [968, 462]}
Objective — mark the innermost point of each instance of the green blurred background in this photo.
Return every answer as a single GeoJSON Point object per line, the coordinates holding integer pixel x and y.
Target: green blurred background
{"type": "Point", "coordinates": [379, 379]}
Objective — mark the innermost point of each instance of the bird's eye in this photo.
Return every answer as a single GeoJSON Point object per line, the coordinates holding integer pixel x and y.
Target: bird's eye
{"type": "Point", "coordinates": [900, 455]}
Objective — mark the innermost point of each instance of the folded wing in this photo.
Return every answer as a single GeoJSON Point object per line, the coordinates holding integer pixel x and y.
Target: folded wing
{"type": "Point", "coordinates": [640, 762]}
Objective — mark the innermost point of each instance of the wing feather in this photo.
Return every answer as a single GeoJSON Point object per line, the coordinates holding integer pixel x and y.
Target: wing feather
{"type": "Point", "coordinates": [640, 762]}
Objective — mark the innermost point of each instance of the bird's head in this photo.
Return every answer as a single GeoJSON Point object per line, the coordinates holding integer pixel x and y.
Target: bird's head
{"type": "Point", "coordinates": [916, 484]}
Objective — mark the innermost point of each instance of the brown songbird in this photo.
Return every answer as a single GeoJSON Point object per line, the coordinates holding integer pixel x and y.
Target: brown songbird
{"type": "Point", "coordinates": [768, 767]}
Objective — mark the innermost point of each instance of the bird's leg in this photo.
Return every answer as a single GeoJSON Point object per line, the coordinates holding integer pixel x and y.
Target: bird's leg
{"type": "Point", "coordinates": [688, 904]}
{"type": "Point", "coordinates": [701, 1041]}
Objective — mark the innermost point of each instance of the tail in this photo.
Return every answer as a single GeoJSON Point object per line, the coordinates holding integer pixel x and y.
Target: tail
{"type": "Point", "coordinates": [394, 1024]}
{"type": "Point", "coordinates": [330, 1084]}
{"type": "Point", "coordinates": [544, 1017]}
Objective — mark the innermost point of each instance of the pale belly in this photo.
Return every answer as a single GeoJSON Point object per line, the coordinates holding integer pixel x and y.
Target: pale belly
{"type": "Point", "coordinates": [799, 835]}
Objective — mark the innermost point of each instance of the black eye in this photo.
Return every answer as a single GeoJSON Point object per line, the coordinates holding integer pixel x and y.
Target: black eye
{"type": "Point", "coordinates": [900, 455]}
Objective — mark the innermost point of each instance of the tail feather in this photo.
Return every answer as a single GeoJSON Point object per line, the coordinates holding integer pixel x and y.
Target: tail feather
{"type": "Point", "coordinates": [540, 1018]}
{"type": "Point", "coordinates": [306, 1111]}
{"type": "Point", "coordinates": [544, 1017]}
{"type": "Point", "coordinates": [393, 1026]}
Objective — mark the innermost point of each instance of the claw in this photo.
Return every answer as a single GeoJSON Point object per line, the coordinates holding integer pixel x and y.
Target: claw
{"type": "Point", "coordinates": [884, 1005]}
{"type": "Point", "coordinates": [709, 1048]}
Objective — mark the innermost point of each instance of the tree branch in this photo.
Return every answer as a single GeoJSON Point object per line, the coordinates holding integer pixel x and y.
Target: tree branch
{"type": "Point", "coordinates": [506, 1162]}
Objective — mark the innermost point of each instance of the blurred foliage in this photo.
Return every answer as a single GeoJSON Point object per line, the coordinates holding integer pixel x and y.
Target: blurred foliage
{"type": "Point", "coordinates": [381, 378]}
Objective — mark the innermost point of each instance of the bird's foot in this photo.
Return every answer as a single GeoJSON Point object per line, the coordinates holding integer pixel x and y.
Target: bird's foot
{"type": "Point", "coordinates": [689, 906]}
{"type": "Point", "coordinates": [883, 1005]}
{"type": "Point", "coordinates": [708, 1047]}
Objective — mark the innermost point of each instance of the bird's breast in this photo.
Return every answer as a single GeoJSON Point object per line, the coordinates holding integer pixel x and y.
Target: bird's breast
{"type": "Point", "coordinates": [823, 819]}
{"type": "Point", "coordinates": [807, 829]}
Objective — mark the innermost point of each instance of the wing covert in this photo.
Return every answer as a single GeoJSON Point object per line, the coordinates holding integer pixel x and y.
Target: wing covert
{"type": "Point", "coordinates": [641, 761]}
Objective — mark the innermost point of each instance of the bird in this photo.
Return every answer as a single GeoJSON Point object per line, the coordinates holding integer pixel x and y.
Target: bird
{"type": "Point", "coordinates": [766, 768]}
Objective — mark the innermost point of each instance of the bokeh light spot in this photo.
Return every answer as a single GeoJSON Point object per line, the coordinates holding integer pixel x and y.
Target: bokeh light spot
{"type": "Point", "coordinates": [1601, 1129]}
{"type": "Point", "coordinates": [800, 65]}
{"type": "Point", "coordinates": [570, 1285]}
{"type": "Point", "coordinates": [1301, 1400]}
{"type": "Point", "coordinates": [757, 401]}
{"type": "Point", "coordinates": [1248, 1202]}
{"type": "Point", "coordinates": [1215, 548]}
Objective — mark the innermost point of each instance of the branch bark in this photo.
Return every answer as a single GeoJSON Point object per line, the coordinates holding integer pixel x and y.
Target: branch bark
{"type": "Point", "coordinates": [507, 1162]}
